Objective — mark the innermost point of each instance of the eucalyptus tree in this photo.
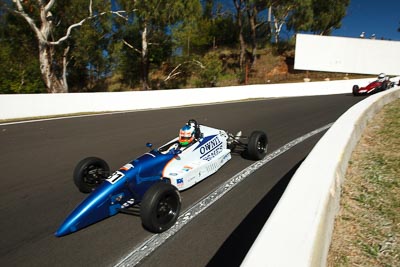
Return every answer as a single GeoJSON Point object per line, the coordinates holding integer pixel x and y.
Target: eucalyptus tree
{"type": "Point", "coordinates": [53, 22]}
{"type": "Point", "coordinates": [328, 15]}
{"type": "Point", "coordinates": [253, 8]}
{"type": "Point", "coordinates": [154, 18]}
{"type": "Point", "coordinates": [240, 7]}
{"type": "Point", "coordinates": [297, 15]}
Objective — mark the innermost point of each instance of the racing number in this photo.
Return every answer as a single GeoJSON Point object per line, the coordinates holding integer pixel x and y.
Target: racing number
{"type": "Point", "coordinates": [115, 177]}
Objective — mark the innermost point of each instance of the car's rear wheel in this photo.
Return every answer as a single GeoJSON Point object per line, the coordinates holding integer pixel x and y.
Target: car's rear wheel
{"type": "Point", "coordinates": [160, 207]}
{"type": "Point", "coordinates": [257, 145]}
{"type": "Point", "coordinates": [355, 90]}
{"type": "Point", "coordinates": [89, 173]}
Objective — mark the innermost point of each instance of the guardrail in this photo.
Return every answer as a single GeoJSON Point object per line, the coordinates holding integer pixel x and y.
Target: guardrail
{"type": "Point", "coordinates": [39, 105]}
{"type": "Point", "coordinates": [299, 230]}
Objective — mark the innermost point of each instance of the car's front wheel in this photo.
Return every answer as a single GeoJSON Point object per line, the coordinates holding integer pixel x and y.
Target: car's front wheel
{"type": "Point", "coordinates": [89, 173]}
{"type": "Point", "coordinates": [384, 86]}
{"type": "Point", "coordinates": [160, 207]}
{"type": "Point", "coordinates": [355, 90]}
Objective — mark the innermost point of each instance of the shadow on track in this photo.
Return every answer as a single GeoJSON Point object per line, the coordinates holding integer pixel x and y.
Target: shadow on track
{"type": "Point", "coordinates": [234, 249]}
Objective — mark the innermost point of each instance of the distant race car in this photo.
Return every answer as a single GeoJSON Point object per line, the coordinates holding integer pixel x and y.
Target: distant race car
{"type": "Point", "coordinates": [149, 185]}
{"type": "Point", "coordinates": [381, 84]}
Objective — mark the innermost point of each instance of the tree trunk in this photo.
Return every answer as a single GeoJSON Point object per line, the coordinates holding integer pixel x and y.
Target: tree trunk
{"type": "Point", "coordinates": [239, 15]}
{"type": "Point", "coordinates": [54, 82]}
{"type": "Point", "coordinates": [252, 14]}
{"type": "Point", "coordinates": [145, 59]}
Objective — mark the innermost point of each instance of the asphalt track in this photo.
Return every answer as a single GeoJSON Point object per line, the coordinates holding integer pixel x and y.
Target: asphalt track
{"type": "Point", "coordinates": [37, 192]}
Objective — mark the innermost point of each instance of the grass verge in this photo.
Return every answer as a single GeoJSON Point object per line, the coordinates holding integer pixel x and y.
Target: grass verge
{"type": "Point", "coordinates": [367, 228]}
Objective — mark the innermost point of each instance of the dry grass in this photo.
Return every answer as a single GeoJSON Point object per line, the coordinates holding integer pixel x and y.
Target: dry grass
{"type": "Point", "coordinates": [367, 228]}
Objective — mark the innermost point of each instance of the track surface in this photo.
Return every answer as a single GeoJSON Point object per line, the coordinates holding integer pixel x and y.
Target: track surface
{"type": "Point", "coordinates": [37, 192]}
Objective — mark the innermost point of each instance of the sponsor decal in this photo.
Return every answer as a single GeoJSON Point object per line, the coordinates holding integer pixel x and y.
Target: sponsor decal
{"type": "Point", "coordinates": [187, 168]}
{"type": "Point", "coordinates": [127, 204]}
{"type": "Point", "coordinates": [210, 147]}
{"type": "Point", "coordinates": [173, 174]}
{"type": "Point", "coordinates": [179, 182]}
{"type": "Point", "coordinates": [126, 167]}
{"type": "Point", "coordinates": [209, 156]}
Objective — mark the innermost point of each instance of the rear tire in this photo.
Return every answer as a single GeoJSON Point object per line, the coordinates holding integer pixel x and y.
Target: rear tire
{"type": "Point", "coordinates": [90, 173]}
{"type": "Point", "coordinates": [160, 207]}
{"type": "Point", "coordinates": [257, 145]}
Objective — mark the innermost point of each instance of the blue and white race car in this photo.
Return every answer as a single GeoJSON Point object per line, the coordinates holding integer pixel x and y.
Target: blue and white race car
{"type": "Point", "coordinates": [149, 185]}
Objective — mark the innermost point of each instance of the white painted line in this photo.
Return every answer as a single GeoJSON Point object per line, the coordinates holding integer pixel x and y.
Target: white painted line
{"type": "Point", "coordinates": [156, 240]}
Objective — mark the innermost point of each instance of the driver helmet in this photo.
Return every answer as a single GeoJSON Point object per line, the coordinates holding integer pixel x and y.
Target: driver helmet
{"type": "Point", "coordinates": [186, 135]}
{"type": "Point", "coordinates": [381, 76]}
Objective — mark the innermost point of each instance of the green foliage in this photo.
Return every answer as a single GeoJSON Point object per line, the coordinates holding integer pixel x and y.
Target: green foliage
{"type": "Point", "coordinates": [301, 16]}
{"type": "Point", "coordinates": [19, 66]}
{"type": "Point", "coordinates": [18, 76]}
{"type": "Point", "coordinates": [328, 15]}
{"type": "Point", "coordinates": [211, 71]}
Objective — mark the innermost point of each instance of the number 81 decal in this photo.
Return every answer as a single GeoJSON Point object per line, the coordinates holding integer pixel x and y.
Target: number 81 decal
{"type": "Point", "coordinates": [113, 178]}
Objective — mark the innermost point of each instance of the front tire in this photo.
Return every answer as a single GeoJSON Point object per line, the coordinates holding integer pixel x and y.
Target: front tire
{"type": "Point", "coordinates": [355, 90]}
{"type": "Point", "coordinates": [89, 173]}
{"type": "Point", "coordinates": [384, 86]}
{"type": "Point", "coordinates": [257, 145]}
{"type": "Point", "coordinates": [160, 207]}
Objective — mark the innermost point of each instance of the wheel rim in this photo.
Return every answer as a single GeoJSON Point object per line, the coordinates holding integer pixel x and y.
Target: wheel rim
{"type": "Point", "coordinates": [167, 209]}
{"type": "Point", "coordinates": [261, 145]}
{"type": "Point", "coordinates": [93, 175]}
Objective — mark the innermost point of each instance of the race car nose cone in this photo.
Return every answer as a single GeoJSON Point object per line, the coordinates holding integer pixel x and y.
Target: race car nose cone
{"type": "Point", "coordinates": [94, 208]}
{"type": "Point", "coordinates": [65, 229]}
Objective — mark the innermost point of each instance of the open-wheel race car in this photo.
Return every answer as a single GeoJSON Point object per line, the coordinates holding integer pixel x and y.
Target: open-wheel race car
{"type": "Point", "coordinates": [382, 83]}
{"type": "Point", "coordinates": [149, 185]}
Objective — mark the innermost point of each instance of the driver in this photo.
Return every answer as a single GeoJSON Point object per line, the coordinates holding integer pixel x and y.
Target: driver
{"type": "Point", "coordinates": [186, 135]}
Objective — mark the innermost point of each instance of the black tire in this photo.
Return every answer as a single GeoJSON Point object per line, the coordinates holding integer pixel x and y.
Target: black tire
{"type": "Point", "coordinates": [355, 90]}
{"type": "Point", "coordinates": [160, 207]}
{"type": "Point", "coordinates": [89, 173]}
{"type": "Point", "coordinates": [384, 86]}
{"type": "Point", "coordinates": [257, 145]}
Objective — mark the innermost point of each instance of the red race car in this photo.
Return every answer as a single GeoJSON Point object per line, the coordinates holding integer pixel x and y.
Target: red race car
{"type": "Point", "coordinates": [381, 84]}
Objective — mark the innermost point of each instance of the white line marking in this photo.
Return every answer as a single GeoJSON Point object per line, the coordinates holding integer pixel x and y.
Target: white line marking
{"type": "Point", "coordinates": [153, 242]}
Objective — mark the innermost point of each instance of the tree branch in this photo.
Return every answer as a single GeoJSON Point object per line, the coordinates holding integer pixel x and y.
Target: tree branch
{"type": "Point", "coordinates": [21, 12]}
{"type": "Point", "coordinates": [131, 46]}
{"type": "Point", "coordinates": [49, 5]}
{"type": "Point", "coordinates": [173, 74]}
{"type": "Point", "coordinates": [70, 28]}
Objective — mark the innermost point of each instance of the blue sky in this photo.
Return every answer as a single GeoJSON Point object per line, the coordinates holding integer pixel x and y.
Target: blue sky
{"type": "Point", "coordinates": [381, 18]}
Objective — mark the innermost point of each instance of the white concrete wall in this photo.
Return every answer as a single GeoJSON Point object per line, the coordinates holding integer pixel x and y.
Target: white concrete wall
{"type": "Point", "coordinates": [36, 105]}
{"type": "Point", "coordinates": [298, 232]}
{"type": "Point", "coordinates": [347, 55]}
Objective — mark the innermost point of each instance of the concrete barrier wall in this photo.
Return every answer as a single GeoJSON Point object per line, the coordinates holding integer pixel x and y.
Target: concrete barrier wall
{"type": "Point", "coordinates": [347, 55]}
{"type": "Point", "coordinates": [37, 105]}
{"type": "Point", "coordinates": [299, 230]}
